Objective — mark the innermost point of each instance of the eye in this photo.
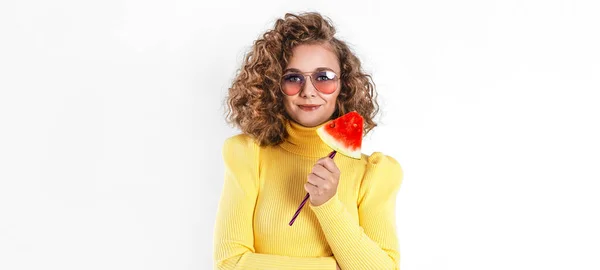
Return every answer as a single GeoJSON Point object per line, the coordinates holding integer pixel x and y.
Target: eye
{"type": "Point", "coordinates": [325, 76]}
{"type": "Point", "coordinates": [292, 78]}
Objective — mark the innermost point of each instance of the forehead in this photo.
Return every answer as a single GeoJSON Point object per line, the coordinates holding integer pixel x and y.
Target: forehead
{"type": "Point", "coordinates": [311, 57]}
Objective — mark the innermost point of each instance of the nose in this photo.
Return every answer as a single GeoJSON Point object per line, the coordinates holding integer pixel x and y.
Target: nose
{"type": "Point", "coordinates": [308, 89]}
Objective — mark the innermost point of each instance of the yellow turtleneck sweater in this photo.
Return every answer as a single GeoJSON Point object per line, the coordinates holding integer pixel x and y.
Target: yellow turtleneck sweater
{"type": "Point", "coordinates": [264, 186]}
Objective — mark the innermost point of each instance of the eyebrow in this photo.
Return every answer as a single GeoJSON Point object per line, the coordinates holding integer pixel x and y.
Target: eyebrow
{"type": "Point", "coordinates": [316, 69]}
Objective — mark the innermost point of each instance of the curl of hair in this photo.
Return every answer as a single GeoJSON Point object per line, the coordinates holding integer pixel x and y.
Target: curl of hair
{"type": "Point", "coordinates": [255, 102]}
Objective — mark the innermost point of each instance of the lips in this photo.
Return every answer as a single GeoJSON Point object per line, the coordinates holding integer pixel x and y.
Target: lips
{"type": "Point", "coordinates": [309, 107]}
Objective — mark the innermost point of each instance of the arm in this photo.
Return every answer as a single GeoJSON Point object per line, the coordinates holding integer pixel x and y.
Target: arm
{"type": "Point", "coordinates": [233, 231]}
{"type": "Point", "coordinates": [373, 242]}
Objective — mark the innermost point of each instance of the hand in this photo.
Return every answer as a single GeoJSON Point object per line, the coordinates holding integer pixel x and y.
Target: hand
{"type": "Point", "coordinates": [322, 181]}
{"type": "Point", "coordinates": [337, 266]}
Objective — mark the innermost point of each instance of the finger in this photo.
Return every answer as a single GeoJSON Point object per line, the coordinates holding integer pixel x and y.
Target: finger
{"type": "Point", "coordinates": [321, 171]}
{"type": "Point", "coordinates": [312, 190]}
{"type": "Point", "coordinates": [324, 173]}
{"type": "Point", "coordinates": [315, 180]}
{"type": "Point", "coordinates": [328, 164]}
{"type": "Point", "coordinates": [319, 183]}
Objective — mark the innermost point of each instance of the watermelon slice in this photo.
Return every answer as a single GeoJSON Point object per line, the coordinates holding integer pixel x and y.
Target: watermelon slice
{"type": "Point", "coordinates": [344, 134]}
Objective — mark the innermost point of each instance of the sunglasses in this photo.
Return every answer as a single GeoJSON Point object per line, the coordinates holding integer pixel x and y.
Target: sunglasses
{"type": "Point", "coordinates": [325, 81]}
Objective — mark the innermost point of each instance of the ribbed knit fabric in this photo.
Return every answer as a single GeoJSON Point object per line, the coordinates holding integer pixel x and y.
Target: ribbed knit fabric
{"type": "Point", "coordinates": [264, 186]}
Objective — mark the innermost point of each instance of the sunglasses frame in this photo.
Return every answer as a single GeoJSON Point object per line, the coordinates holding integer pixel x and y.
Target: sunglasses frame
{"type": "Point", "coordinates": [309, 74]}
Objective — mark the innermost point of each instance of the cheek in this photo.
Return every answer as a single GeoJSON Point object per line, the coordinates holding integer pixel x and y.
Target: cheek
{"type": "Point", "coordinates": [332, 100]}
{"type": "Point", "coordinates": [330, 105]}
{"type": "Point", "coordinates": [287, 104]}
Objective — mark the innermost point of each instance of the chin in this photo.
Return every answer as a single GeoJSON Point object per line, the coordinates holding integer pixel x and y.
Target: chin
{"type": "Point", "coordinates": [310, 121]}
{"type": "Point", "coordinates": [310, 124]}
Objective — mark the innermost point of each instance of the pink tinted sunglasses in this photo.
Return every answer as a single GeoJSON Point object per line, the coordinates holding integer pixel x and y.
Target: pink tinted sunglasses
{"type": "Point", "coordinates": [325, 81]}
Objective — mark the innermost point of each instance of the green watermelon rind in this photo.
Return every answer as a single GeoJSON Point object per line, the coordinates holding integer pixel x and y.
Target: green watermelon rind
{"type": "Point", "coordinates": [329, 140]}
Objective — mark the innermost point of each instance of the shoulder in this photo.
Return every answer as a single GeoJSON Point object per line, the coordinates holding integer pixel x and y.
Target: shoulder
{"type": "Point", "coordinates": [380, 165]}
{"type": "Point", "coordinates": [240, 157]}
{"type": "Point", "coordinates": [240, 141]}
{"type": "Point", "coordinates": [240, 145]}
{"type": "Point", "coordinates": [383, 175]}
{"type": "Point", "coordinates": [381, 160]}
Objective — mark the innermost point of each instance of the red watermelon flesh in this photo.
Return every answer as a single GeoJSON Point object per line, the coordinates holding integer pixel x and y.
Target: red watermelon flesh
{"type": "Point", "coordinates": [344, 134]}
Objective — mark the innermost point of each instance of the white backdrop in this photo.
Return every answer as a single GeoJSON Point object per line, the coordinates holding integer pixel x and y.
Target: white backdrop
{"type": "Point", "coordinates": [111, 119]}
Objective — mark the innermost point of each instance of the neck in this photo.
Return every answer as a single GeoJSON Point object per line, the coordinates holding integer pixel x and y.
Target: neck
{"type": "Point", "coordinates": [304, 141]}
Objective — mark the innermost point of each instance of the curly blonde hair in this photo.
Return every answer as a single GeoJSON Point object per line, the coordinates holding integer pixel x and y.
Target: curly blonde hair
{"type": "Point", "coordinates": [255, 102]}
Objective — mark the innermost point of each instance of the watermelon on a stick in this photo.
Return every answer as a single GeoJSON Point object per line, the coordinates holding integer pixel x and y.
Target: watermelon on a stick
{"type": "Point", "coordinates": [343, 134]}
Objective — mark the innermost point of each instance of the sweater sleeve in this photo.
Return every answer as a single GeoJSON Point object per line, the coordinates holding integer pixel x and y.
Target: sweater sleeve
{"type": "Point", "coordinates": [373, 242]}
{"type": "Point", "coordinates": [233, 241]}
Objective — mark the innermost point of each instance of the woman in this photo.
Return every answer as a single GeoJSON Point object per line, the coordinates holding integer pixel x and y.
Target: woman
{"type": "Point", "coordinates": [296, 77]}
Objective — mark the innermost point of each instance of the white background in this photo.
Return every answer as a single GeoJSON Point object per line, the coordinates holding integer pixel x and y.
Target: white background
{"type": "Point", "coordinates": [111, 120]}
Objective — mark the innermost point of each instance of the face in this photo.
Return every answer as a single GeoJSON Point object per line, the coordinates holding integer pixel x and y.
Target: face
{"type": "Point", "coordinates": [307, 59]}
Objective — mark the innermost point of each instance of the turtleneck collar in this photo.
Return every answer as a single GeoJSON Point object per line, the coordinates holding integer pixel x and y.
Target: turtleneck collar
{"type": "Point", "coordinates": [304, 141]}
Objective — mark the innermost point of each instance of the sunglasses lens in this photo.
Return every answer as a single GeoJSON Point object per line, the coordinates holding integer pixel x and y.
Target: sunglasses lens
{"type": "Point", "coordinates": [325, 81]}
{"type": "Point", "coordinates": [292, 83]}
